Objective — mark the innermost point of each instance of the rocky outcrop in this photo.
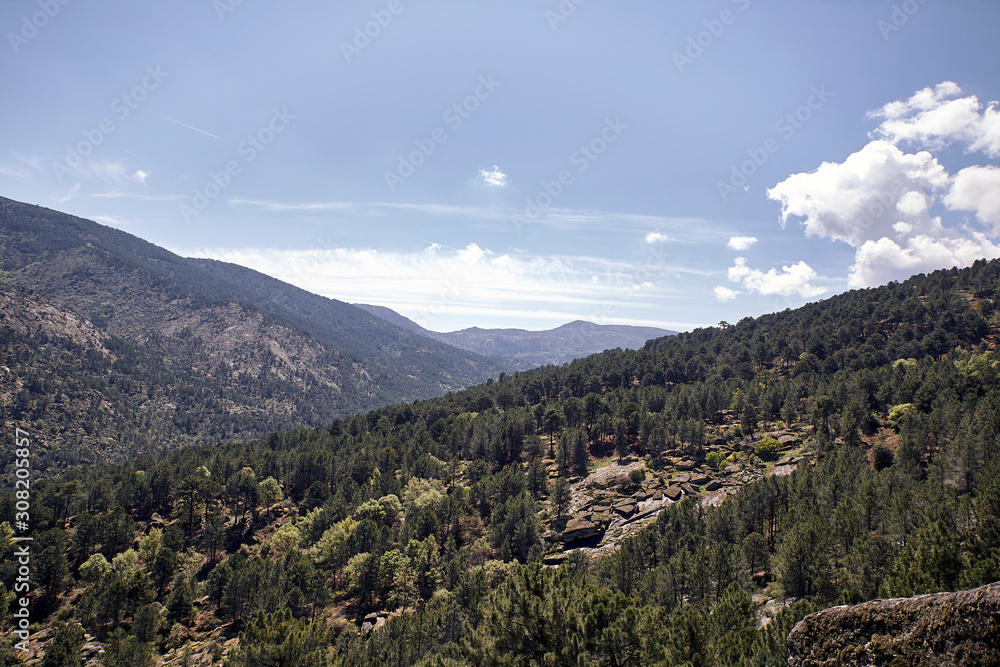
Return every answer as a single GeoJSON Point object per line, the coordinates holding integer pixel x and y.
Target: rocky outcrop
{"type": "Point", "coordinates": [580, 529]}
{"type": "Point", "coordinates": [959, 629]}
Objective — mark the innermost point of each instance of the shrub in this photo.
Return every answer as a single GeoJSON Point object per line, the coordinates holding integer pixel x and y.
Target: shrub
{"type": "Point", "coordinates": [767, 448]}
{"type": "Point", "coordinates": [715, 459]}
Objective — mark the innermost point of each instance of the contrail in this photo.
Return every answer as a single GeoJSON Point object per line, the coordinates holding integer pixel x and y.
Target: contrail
{"type": "Point", "coordinates": [184, 124]}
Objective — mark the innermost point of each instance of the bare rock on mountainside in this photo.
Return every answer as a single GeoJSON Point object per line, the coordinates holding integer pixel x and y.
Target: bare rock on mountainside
{"type": "Point", "coordinates": [942, 629]}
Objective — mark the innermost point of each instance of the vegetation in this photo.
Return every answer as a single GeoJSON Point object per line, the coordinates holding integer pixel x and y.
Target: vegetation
{"type": "Point", "coordinates": [120, 347]}
{"type": "Point", "coordinates": [413, 534]}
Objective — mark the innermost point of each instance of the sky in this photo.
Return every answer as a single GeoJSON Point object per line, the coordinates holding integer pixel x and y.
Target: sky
{"type": "Point", "coordinates": [521, 163]}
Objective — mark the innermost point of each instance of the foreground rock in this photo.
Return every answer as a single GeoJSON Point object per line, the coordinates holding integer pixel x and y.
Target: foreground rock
{"type": "Point", "coordinates": [943, 629]}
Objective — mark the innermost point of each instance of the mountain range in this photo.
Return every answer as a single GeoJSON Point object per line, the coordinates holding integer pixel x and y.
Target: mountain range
{"type": "Point", "coordinates": [527, 349]}
{"type": "Point", "coordinates": [121, 346]}
{"type": "Point", "coordinates": [201, 349]}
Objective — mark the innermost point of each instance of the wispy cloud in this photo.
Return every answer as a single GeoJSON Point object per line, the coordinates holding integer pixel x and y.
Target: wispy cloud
{"type": "Point", "coordinates": [117, 194]}
{"type": "Point", "coordinates": [680, 229]}
{"type": "Point", "coordinates": [439, 285]}
{"type": "Point", "coordinates": [64, 197]}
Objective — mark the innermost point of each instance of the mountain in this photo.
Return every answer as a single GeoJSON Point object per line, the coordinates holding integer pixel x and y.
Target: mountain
{"type": "Point", "coordinates": [688, 502]}
{"type": "Point", "coordinates": [528, 349]}
{"type": "Point", "coordinates": [226, 351]}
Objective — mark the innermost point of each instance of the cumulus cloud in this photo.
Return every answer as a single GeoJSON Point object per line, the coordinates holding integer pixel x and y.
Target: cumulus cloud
{"type": "Point", "coordinates": [880, 199]}
{"type": "Point", "coordinates": [724, 293]}
{"type": "Point", "coordinates": [141, 175]}
{"type": "Point", "coordinates": [932, 119]}
{"type": "Point", "coordinates": [977, 189]}
{"type": "Point", "coordinates": [878, 262]}
{"type": "Point", "coordinates": [792, 280]}
{"type": "Point", "coordinates": [656, 237]}
{"type": "Point", "coordinates": [493, 177]}
{"type": "Point", "coordinates": [859, 199]}
{"type": "Point", "coordinates": [741, 242]}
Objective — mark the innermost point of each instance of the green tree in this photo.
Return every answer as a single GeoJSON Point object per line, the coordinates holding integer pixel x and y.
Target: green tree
{"type": "Point", "coordinates": [559, 496]}
{"type": "Point", "coordinates": [64, 649]}
{"type": "Point", "coordinates": [280, 640]}
{"type": "Point", "coordinates": [124, 650]}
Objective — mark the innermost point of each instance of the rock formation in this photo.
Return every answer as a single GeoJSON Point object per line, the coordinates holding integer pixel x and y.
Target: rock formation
{"type": "Point", "coordinates": [941, 629]}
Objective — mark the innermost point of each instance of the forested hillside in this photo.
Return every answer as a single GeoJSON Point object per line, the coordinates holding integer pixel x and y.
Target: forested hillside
{"type": "Point", "coordinates": [185, 351]}
{"type": "Point", "coordinates": [416, 534]}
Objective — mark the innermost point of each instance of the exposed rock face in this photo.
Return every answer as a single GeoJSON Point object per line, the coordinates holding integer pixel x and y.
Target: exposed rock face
{"type": "Point", "coordinates": [580, 529]}
{"type": "Point", "coordinates": [941, 629]}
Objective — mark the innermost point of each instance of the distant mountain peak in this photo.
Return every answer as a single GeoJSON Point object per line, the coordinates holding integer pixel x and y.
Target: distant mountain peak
{"type": "Point", "coordinates": [527, 348]}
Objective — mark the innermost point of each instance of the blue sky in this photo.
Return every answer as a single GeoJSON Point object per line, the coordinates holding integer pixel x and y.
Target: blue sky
{"type": "Point", "coordinates": [520, 163]}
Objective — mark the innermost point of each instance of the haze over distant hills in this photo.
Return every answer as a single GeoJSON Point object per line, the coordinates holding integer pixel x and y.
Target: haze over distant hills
{"type": "Point", "coordinates": [533, 348]}
{"type": "Point", "coordinates": [133, 346]}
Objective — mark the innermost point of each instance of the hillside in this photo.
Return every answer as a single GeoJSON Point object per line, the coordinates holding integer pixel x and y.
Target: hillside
{"type": "Point", "coordinates": [527, 349]}
{"type": "Point", "coordinates": [695, 498]}
{"type": "Point", "coordinates": [231, 352]}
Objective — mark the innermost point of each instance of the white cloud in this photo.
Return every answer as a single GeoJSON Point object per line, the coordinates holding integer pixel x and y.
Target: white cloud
{"type": "Point", "coordinates": [859, 199]}
{"type": "Point", "coordinates": [681, 230]}
{"type": "Point", "coordinates": [16, 172]}
{"type": "Point", "coordinates": [880, 199]}
{"type": "Point", "coordinates": [118, 194]}
{"type": "Point", "coordinates": [931, 119]}
{"type": "Point", "coordinates": [141, 175]}
{"type": "Point", "coordinates": [878, 262]}
{"type": "Point", "coordinates": [440, 286]}
{"type": "Point", "coordinates": [793, 279]}
{"type": "Point", "coordinates": [106, 171]}
{"type": "Point", "coordinates": [725, 294]}
{"type": "Point", "coordinates": [741, 242]}
{"type": "Point", "coordinates": [656, 237]}
{"type": "Point", "coordinates": [493, 177]}
{"type": "Point", "coordinates": [977, 189]}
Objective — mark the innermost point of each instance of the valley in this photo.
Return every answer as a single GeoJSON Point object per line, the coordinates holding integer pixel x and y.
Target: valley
{"type": "Point", "coordinates": [619, 502]}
